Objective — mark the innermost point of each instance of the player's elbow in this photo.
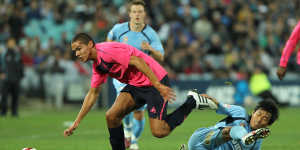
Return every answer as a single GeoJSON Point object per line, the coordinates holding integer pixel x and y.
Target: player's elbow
{"type": "Point", "coordinates": [135, 61]}
{"type": "Point", "coordinates": [158, 57]}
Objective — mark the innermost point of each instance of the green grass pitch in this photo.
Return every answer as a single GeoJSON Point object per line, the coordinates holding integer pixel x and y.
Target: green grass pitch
{"type": "Point", "coordinates": [43, 129]}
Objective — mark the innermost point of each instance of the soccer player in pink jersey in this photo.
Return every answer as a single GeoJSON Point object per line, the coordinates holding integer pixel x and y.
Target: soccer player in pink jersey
{"type": "Point", "coordinates": [147, 83]}
{"type": "Point", "coordinates": [288, 50]}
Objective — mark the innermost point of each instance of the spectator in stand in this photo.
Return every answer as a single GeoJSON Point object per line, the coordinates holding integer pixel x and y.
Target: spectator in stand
{"type": "Point", "coordinates": [11, 72]}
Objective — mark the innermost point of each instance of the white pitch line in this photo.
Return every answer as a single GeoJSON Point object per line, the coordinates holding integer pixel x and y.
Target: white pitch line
{"type": "Point", "coordinates": [39, 136]}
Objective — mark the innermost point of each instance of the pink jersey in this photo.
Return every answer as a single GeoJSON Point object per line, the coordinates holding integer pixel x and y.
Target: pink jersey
{"type": "Point", "coordinates": [290, 47]}
{"type": "Point", "coordinates": [113, 60]}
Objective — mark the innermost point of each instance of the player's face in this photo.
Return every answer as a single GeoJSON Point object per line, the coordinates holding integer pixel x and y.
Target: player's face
{"type": "Point", "coordinates": [137, 14]}
{"type": "Point", "coordinates": [82, 51]}
{"type": "Point", "coordinates": [11, 43]}
{"type": "Point", "coordinates": [260, 119]}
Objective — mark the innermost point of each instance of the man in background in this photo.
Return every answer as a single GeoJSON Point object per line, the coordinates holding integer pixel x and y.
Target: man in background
{"type": "Point", "coordinates": [11, 73]}
{"type": "Point", "coordinates": [260, 86]}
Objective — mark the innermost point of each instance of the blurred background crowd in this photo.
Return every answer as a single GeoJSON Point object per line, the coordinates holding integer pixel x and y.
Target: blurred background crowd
{"type": "Point", "coordinates": [203, 39]}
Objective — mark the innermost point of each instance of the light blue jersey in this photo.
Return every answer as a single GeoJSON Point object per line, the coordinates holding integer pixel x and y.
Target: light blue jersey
{"type": "Point", "coordinates": [122, 33]}
{"type": "Point", "coordinates": [206, 138]}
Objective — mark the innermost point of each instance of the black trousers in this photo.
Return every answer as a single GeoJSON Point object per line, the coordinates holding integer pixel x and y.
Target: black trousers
{"type": "Point", "coordinates": [13, 89]}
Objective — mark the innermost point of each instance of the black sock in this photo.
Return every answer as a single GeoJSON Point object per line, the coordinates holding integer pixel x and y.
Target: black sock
{"type": "Point", "coordinates": [117, 138]}
{"type": "Point", "coordinates": [177, 117]}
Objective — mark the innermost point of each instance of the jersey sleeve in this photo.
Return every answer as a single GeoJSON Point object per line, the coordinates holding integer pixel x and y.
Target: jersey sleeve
{"type": "Point", "coordinates": [231, 110]}
{"type": "Point", "coordinates": [156, 43]}
{"type": "Point", "coordinates": [98, 79]}
{"type": "Point", "coordinates": [112, 34]}
{"type": "Point", "coordinates": [290, 46]}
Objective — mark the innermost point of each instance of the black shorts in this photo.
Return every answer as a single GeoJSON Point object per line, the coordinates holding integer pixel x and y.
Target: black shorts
{"type": "Point", "coordinates": [157, 107]}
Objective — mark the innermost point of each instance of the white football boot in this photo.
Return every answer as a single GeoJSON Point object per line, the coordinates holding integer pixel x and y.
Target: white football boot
{"type": "Point", "coordinates": [202, 102]}
{"type": "Point", "coordinates": [134, 146]}
{"type": "Point", "coordinates": [251, 137]}
{"type": "Point", "coordinates": [183, 147]}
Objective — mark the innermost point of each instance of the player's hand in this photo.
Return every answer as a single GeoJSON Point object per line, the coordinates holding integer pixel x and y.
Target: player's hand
{"type": "Point", "coordinates": [70, 130]}
{"type": "Point", "coordinates": [145, 46]}
{"type": "Point", "coordinates": [2, 76]}
{"type": "Point", "coordinates": [211, 98]}
{"type": "Point", "coordinates": [166, 92]}
{"type": "Point", "coordinates": [281, 72]}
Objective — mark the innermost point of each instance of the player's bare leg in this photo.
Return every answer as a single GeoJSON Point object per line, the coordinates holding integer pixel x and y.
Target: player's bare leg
{"type": "Point", "coordinates": [122, 106]}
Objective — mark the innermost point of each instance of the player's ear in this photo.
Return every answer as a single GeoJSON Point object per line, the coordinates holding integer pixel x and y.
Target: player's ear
{"type": "Point", "coordinates": [90, 44]}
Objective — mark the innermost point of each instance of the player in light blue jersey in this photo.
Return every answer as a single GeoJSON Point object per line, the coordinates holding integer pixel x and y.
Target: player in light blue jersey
{"type": "Point", "coordinates": [238, 131]}
{"type": "Point", "coordinates": [143, 37]}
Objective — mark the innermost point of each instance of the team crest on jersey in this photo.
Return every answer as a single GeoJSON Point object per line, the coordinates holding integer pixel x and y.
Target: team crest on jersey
{"type": "Point", "coordinates": [125, 39]}
{"type": "Point", "coordinates": [207, 139]}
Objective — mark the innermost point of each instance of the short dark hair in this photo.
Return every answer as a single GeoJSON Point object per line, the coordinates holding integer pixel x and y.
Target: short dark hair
{"type": "Point", "coordinates": [269, 106]}
{"type": "Point", "coordinates": [137, 2]}
{"type": "Point", "coordinates": [84, 38]}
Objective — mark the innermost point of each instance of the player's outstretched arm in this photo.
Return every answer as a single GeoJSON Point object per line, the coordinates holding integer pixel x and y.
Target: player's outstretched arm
{"type": "Point", "coordinates": [166, 92]}
{"type": "Point", "coordinates": [157, 55]}
{"type": "Point", "coordinates": [89, 101]}
{"type": "Point", "coordinates": [281, 72]}
{"type": "Point", "coordinates": [288, 50]}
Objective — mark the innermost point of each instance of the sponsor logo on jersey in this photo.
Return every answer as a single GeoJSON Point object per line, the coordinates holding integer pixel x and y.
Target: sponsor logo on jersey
{"type": "Point", "coordinates": [236, 145]}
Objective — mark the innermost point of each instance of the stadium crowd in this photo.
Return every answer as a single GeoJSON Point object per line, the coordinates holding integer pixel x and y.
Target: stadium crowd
{"type": "Point", "coordinates": [203, 39]}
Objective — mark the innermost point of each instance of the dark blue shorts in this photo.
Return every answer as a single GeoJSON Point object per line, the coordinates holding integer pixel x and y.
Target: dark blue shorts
{"type": "Point", "coordinates": [157, 107]}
